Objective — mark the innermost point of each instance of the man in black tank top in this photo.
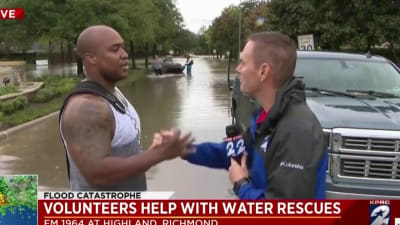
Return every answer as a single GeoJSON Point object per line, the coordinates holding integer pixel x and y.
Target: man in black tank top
{"type": "Point", "coordinates": [88, 127]}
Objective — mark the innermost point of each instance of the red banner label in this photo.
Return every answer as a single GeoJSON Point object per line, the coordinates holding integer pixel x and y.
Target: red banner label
{"type": "Point", "coordinates": [11, 13]}
{"type": "Point", "coordinates": [213, 212]}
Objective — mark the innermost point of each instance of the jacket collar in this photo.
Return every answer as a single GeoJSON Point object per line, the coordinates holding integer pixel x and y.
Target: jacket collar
{"type": "Point", "coordinates": [292, 91]}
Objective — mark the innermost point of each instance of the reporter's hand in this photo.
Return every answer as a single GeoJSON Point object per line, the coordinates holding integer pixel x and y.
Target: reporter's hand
{"type": "Point", "coordinates": [189, 149]}
{"type": "Point", "coordinates": [236, 171]}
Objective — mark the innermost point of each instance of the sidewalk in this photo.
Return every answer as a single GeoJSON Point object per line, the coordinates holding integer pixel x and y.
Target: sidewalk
{"type": "Point", "coordinates": [4, 134]}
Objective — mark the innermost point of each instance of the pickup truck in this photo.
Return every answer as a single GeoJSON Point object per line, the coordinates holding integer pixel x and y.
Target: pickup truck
{"type": "Point", "coordinates": [356, 98]}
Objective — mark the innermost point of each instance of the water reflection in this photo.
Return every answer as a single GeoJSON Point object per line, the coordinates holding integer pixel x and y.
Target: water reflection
{"type": "Point", "coordinates": [42, 68]}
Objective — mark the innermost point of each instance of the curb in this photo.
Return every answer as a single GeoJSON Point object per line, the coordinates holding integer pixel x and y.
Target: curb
{"type": "Point", "coordinates": [37, 86]}
{"type": "Point", "coordinates": [4, 134]}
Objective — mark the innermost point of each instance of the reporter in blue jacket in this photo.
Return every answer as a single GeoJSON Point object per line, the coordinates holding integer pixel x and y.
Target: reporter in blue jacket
{"type": "Point", "coordinates": [284, 155]}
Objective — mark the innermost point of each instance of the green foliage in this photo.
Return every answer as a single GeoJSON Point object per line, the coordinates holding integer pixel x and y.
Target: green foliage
{"type": "Point", "coordinates": [203, 44]}
{"type": "Point", "coordinates": [8, 90]}
{"type": "Point", "coordinates": [39, 17]}
{"type": "Point", "coordinates": [360, 24]}
{"type": "Point", "coordinates": [299, 17]}
{"type": "Point", "coordinates": [143, 21]}
{"type": "Point", "coordinates": [185, 42]}
{"type": "Point", "coordinates": [32, 111]}
{"type": "Point", "coordinates": [223, 34]}
{"type": "Point", "coordinates": [224, 31]}
{"type": "Point", "coordinates": [54, 86]}
{"type": "Point", "coordinates": [256, 19]}
{"type": "Point", "coordinates": [13, 105]}
{"type": "Point", "coordinates": [169, 20]}
{"type": "Point", "coordinates": [19, 192]}
{"type": "Point", "coordinates": [335, 24]}
{"type": "Point", "coordinates": [46, 93]}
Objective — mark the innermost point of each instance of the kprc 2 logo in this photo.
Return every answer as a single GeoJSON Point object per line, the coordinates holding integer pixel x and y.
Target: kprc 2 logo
{"type": "Point", "coordinates": [379, 212]}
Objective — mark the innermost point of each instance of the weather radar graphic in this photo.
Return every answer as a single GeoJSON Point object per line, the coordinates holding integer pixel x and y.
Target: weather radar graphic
{"type": "Point", "coordinates": [18, 200]}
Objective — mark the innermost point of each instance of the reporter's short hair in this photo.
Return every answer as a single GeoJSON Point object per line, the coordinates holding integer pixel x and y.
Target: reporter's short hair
{"type": "Point", "coordinates": [278, 50]}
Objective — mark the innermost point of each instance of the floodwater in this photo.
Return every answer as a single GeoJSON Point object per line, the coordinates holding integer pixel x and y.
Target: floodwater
{"type": "Point", "coordinates": [199, 103]}
{"type": "Point", "coordinates": [42, 68]}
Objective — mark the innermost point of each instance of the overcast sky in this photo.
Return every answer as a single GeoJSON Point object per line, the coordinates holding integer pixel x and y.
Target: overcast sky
{"type": "Point", "coordinates": [197, 13]}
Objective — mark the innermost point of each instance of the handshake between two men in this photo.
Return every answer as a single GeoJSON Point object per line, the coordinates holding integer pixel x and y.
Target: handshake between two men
{"type": "Point", "coordinates": [230, 154]}
{"type": "Point", "coordinates": [171, 144]}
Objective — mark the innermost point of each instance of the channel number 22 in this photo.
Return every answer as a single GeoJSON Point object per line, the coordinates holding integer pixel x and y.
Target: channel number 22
{"type": "Point", "coordinates": [230, 147]}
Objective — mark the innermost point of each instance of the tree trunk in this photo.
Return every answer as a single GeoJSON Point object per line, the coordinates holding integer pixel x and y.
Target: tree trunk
{"type": "Point", "coordinates": [369, 45]}
{"type": "Point", "coordinates": [62, 52]}
{"type": "Point", "coordinates": [146, 56]}
{"type": "Point", "coordinates": [396, 57]}
{"type": "Point", "coordinates": [49, 60]}
{"type": "Point", "coordinates": [132, 54]}
{"type": "Point", "coordinates": [69, 52]}
{"type": "Point", "coordinates": [154, 51]}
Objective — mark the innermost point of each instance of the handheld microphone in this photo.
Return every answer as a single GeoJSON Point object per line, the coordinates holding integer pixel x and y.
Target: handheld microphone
{"type": "Point", "coordinates": [235, 143]}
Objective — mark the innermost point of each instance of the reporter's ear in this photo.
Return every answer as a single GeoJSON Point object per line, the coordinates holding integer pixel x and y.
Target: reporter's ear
{"type": "Point", "coordinates": [265, 69]}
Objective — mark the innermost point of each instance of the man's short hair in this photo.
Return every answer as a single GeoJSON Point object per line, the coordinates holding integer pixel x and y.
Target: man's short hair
{"type": "Point", "coordinates": [278, 50]}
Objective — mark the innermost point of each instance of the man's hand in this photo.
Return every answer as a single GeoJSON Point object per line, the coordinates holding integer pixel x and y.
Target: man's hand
{"type": "Point", "coordinates": [157, 140]}
{"type": "Point", "coordinates": [170, 145]}
{"type": "Point", "coordinates": [236, 171]}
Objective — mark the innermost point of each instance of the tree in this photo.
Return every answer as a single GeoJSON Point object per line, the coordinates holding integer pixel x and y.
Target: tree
{"type": "Point", "coordinates": [224, 31]}
{"type": "Point", "coordinates": [21, 34]}
{"type": "Point", "coordinates": [256, 19]}
{"type": "Point", "coordinates": [359, 24]}
{"type": "Point", "coordinates": [293, 17]}
{"type": "Point", "coordinates": [186, 41]}
{"type": "Point", "coordinates": [140, 17]}
{"type": "Point", "coordinates": [223, 34]}
{"type": "Point", "coordinates": [204, 46]}
{"type": "Point", "coordinates": [387, 25]}
{"type": "Point", "coordinates": [169, 21]}
{"type": "Point", "coordinates": [140, 22]}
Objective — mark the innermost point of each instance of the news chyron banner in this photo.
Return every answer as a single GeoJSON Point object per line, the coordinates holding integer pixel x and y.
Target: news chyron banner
{"type": "Point", "coordinates": [18, 199]}
{"type": "Point", "coordinates": [154, 208]}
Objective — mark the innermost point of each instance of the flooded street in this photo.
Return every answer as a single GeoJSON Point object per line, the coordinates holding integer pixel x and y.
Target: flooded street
{"type": "Point", "coordinates": [199, 103]}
